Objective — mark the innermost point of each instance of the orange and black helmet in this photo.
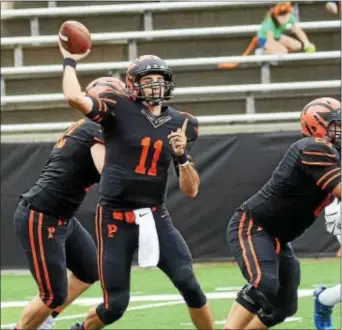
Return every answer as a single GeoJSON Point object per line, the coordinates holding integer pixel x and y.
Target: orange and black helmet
{"type": "Point", "coordinates": [142, 66]}
{"type": "Point", "coordinates": [105, 85]}
{"type": "Point", "coordinates": [322, 118]}
{"type": "Point", "coordinates": [282, 8]}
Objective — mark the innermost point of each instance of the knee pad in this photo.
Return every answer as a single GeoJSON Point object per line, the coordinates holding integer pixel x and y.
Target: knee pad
{"type": "Point", "coordinates": [254, 300]}
{"type": "Point", "coordinates": [55, 299]}
{"type": "Point", "coordinates": [185, 281]}
{"type": "Point", "coordinates": [117, 305]}
{"type": "Point", "coordinates": [277, 316]}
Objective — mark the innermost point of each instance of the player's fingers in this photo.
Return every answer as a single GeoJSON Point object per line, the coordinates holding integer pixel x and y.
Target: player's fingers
{"type": "Point", "coordinates": [174, 134]}
{"type": "Point", "coordinates": [185, 124]}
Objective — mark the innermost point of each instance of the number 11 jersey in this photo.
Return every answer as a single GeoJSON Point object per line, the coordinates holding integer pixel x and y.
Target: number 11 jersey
{"type": "Point", "coordinates": [138, 153]}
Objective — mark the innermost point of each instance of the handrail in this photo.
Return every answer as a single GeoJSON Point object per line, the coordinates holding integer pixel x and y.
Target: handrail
{"type": "Point", "coordinates": [120, 8]}
{"type": "Point", "coordinates": [174, 63]}
{"type": "Point", "coordinates": [162, 34]}
{"type": "Point", "coordinates": [203, 90]}
{"type": "Point", "coordinates": [203, 120]}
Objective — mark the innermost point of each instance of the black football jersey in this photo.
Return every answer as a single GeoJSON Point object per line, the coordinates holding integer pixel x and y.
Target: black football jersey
{"type": "Point", "coordinates": [299, 189]}
{"type": "Point", "coordinates": [138, 153]}
{"type": "Point", "coordinates": [68, 173]}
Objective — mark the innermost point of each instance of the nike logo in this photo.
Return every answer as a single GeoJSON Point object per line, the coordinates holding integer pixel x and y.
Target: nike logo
{"type": "Point", "coordinates": [141, 215]}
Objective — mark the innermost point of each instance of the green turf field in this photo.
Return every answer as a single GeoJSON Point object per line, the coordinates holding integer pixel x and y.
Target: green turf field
{"type": "Point", "coordinates": [155, 303]}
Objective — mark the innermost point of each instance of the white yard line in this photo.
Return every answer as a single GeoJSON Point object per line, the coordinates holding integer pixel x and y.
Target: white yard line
{"type": "Point", "coordinates": [146, 298]}
{"type": "Point", "coordinates": [289, 319]}
{"type": "Point", "coordinates": [76, 316]}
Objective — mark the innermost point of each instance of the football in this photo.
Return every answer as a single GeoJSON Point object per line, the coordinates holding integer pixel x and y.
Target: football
{"type": "Point", "coordinates": [74, 37]}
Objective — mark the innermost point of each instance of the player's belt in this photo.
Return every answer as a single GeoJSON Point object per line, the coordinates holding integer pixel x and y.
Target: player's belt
{"type": "Point", "coordinates": [127, 216]}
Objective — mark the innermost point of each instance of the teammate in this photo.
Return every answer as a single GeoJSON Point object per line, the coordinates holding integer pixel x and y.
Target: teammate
{"type": "Point", "coordinates": [260, 231]}
{"type": "Point", "coordinates": [327, 298]}
{"type": "Point", "coordinates": [51, 237]}
{"type": "Point", "coordinates": [142, 138]}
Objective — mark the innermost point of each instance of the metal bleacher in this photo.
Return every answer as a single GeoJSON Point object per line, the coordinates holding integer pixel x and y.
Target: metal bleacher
{"type": "Point", "coordinates": [193, 36]}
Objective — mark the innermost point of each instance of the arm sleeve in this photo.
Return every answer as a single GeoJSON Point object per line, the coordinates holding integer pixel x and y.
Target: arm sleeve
{"type": "Point", "coordinates": [104, 107]}
{"type": "Point", "coordinates": [320, 162]}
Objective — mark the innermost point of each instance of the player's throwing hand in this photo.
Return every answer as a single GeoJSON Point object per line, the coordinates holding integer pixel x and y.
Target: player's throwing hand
{"type": "Point", "coordinates": [178, 139]}
{"type": "Point", "coordinates": [75, 57]}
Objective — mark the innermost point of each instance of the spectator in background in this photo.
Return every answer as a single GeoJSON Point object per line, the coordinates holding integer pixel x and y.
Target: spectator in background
{"type": "Point", "coordinates": [334, 7]}
{"type": "Point", "coordinates": [270, 38]}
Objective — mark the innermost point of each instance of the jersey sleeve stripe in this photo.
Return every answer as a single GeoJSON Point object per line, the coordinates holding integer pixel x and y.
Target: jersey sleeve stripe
{"type": "Point", "coordinates": [98, 140]}
{"type": "Point", "coordinates": [318, 163]}
{"type": "Point", "coordinates": [108, 100]}
{"type": "Point", "coordinates": [331, 179]}
{"type": "Point", "coordinates": [324, 176]}
{"type": "Point", "coordinates": [315, 153]}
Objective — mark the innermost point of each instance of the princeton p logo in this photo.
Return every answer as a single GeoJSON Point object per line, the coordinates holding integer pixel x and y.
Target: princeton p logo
{"type": "Point", "coordinates": [51, 231]}
{"type": "Point", "coordinates": [112, 229]}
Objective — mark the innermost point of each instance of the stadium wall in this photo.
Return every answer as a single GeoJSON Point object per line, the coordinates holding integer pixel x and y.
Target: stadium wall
{"type": "Point", "coordinates": [232, 167]}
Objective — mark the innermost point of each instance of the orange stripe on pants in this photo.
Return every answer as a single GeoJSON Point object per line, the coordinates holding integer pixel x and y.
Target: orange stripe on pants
{"type": "Point", "coordinates": [242, 244]}
{"type": "Point", "coordinates": [34, 256]}
{"type": "Point", "coordinates": [42, 257]}
{"type": "Point", "coordinates": [100, 256]}
{"type": "Point", "coordinates": [251, 246]}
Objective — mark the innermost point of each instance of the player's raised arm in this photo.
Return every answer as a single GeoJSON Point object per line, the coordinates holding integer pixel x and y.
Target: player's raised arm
{"type": "Point", "coordinates": [188, 177]}
{"type": "Point", "coordinates": [71, 87]}
{"type": "Point", "coordinates": [96, 108]}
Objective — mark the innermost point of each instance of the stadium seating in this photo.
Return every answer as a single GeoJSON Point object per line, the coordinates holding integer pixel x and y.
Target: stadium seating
{"type": "Point", "coordinates": [176, 31]}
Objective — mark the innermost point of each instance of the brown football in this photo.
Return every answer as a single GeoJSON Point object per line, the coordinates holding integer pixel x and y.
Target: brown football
{"type": "Point", "coordinates": [75, 37]}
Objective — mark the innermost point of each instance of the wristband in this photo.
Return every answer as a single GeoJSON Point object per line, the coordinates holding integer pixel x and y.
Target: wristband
{"type": "Point", "coordinates": [183, 160]}
{"type": "Point", "coordinates": [69, 61]}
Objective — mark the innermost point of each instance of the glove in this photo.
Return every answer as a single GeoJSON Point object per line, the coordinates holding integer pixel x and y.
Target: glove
{"type": "Point", "coordinates": [310, 48]}
{"type": "Point", "coordinates": [333, 218]}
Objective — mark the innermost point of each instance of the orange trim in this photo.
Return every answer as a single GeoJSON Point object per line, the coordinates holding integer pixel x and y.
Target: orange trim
{"type": "Point", "coordinates": [332, 178]}
{"type": "Point", "coordinates": [42, 256]}
{"type": "Point", "coordinates": [117, 215]}
{"type": "Point", "coordinates": [98, 140]}
{"type": "Point", "coordinates": [58, 310]}
{"type": "Point", "coordinates": [319, 154]}
{"type": "Point", "coordinates": [257, 265]}
{"type": "Point", "coordinates": [34, 256]}
{"type": "Point", "coordinates": [100, 247]}
{"type": "Point", "coordinates": [108, 100]}
{"type": "Point", "coordinates": [98, 244]}
{"type": "Point", "coordinates": [326, 174]}
{"type": "Point", "coordinates": [318, 163]}
{"type": "Point", "coordinates": [277, 246]}
{"type": "Point", "coordinates": [99, 103]}
{"type": "Point", "coordinates": [242, 244]}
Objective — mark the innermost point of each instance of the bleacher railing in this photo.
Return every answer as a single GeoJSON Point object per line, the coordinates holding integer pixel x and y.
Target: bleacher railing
{"type": "Point", "coordinates": [248, 91]}
{"type": "Point", "coordinates": [39, 70]}
{"type": "Point", "coordinates": [116, 37]}
{"type": "Point", "coordinates": [120, 8]}
{"type": "Point", "coordinates": [203, 120]}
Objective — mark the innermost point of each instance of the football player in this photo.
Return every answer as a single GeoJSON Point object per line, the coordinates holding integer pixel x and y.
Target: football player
{"type": "Point", "coordinates": [259, 233]}
{"type": "Point", "coordinates": [143, 136]}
